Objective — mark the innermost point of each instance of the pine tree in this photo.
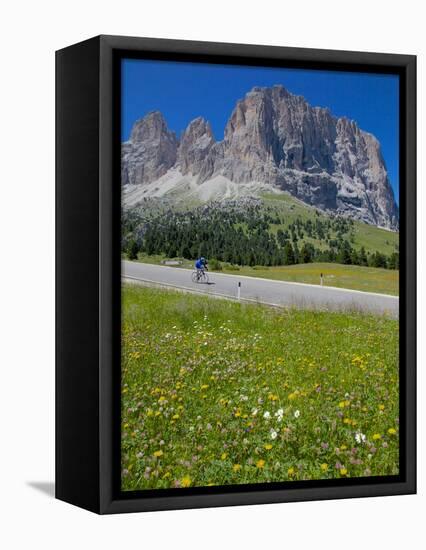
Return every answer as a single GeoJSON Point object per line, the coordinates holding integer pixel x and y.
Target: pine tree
{"type": "Point", "coordinates": [344, 254]}
{"type": "Point", "coordinates": [132, 250]}
{"type": "Point", "coordinates": [378, 260]}
{"type": "Point", "coordinates": [393, 262]}
{"type": "Point", "coordinates": [288, 254]}
{"type": "Point", "coordinates": [296, 254]}
{"type": "Point", "coordinates": [362, 257]}
{"type": "Point", "coordinates": [306, 254]}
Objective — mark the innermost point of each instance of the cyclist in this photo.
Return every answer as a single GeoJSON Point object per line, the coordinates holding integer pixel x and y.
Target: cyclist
{"type": "Point", "coordinates": [201, 266]}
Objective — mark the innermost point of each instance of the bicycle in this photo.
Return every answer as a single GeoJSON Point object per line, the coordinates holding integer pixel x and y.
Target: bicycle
{"type": "Point", "coordinates": [199, 276]}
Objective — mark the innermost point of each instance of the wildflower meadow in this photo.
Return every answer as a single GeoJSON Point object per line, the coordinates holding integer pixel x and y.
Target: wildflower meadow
{"type": "Point", "coordinates": [216, 392]}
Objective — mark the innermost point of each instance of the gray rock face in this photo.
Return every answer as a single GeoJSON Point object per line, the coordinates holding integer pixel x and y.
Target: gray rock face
{"type": "Point", "coordinates": [277, 138]}
{"type": "Point", "coordinates": [195, 144]}
{"type": "Point", "coordinates": [150, 152]}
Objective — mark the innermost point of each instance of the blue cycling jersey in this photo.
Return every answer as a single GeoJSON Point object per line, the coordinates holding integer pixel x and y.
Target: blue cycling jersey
{"type": "Point", "coordinates": [199, 264]}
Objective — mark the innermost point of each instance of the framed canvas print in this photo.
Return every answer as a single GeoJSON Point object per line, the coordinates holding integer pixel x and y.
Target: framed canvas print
{"type": "Point", "coordinates": [235, 274]}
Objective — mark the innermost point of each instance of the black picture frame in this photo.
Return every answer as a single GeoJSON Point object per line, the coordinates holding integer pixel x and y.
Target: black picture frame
{"type": "Point", "coordinates": [88, 274]}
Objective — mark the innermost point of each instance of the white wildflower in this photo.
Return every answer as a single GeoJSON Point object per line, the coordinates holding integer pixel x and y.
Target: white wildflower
{"type": "Point", "coordinates": [359, 437]}
{"type": "Point", "coordinates": [296, 414]}
{"type": "Point", "coordinates": [266, 414]}
{"type": "Point", "coordinates": [279, 415]}
{"type": "Point", "coordinates": [273, 434]}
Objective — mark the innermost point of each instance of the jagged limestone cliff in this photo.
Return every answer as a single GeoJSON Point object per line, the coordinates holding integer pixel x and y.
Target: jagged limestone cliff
{"type": "Point", "coordinates": [276, 139]}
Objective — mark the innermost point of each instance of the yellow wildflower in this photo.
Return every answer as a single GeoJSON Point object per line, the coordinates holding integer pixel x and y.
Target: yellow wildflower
{"type": "Point", "coordinates": [324, 467]}
{"type": "Point", "coordinates": [291, 471]}
{"type": "Point", "coordinates": [268, 446]}
{"type": "Point", "coordinates": [159, 453]}
{"type": "Point", "coordinates": [236, 467]}
{"type": "Point", "coordinates": [381, 407]}
{"type": "Point", "coordinates": [377, 436]}
{"type": "Point", "coordinates": [175, 416]}
{"type": "Point", "coordinates": [343, 471]}
{"type": "Point", "coordinates": [260, 464]}
{"type": "Point", "coordinates": [223, 456]}
{"type": "Point", "coordinates": [391, 431]}
{"type": "Point", "coordinates": [186, 481]}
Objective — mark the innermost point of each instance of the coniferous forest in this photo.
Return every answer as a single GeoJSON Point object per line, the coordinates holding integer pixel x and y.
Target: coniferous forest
{"type": "Point", "coordinates": [247, 233]}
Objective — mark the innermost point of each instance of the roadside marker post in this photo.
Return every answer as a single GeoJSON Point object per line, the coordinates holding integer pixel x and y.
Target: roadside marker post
{"type": "Point", "coordinates": [321, 278]}
{"type": "Point", "coordinates": [239, 290]}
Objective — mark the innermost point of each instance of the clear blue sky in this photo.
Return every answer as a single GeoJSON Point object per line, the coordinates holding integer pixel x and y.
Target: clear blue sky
{"type": "Point", "coordinates": [182, 91]}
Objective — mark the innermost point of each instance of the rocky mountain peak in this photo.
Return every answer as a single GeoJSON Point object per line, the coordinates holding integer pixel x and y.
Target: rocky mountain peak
{"type": "Point", "coordinates": [149, 128]}
{"type": "Point", "coordinates": [150, 152]}
{"type": "Point", "coordinates": [195, 145]}
{"type": "Point", "coordinates": [276, 138]}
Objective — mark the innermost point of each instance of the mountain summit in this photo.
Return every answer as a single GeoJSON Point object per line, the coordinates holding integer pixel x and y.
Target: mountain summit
{"type": "Point", "coordinates": [275, 139]}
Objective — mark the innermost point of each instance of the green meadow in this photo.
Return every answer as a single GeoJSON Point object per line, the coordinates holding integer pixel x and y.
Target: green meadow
{"type": "Point", "coordinates": [364, 235]}
{"type": "Point", "coordinates": [355, 277]}
{"type": "Point", "coordinates": [216, 392]}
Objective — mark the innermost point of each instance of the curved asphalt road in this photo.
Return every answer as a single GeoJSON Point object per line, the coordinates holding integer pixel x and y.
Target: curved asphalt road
{"type": "Point", "coordinates": [277, 293]}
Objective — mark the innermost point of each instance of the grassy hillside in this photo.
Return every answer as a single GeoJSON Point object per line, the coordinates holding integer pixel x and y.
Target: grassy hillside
{"type": "Point", "coordinates": [216, 392]}
{"type": "Point", "coordinates": [272, 231]}
{"type": "Point", "coordinates": [372, 238]}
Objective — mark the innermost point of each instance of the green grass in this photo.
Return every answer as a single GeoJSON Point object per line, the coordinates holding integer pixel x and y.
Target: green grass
{"type": "Point", "coordinates": [367, 279]}
{"type": "Point", "coordinates": [290, 206]}
{"type": "Point", "coordinates": [199, 376]}
{"type": "Point", "coordinates": [371, 237]}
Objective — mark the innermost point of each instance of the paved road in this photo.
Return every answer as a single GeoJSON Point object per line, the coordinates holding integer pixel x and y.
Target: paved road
{"type": "Point", "coordinates": [278, 293]}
